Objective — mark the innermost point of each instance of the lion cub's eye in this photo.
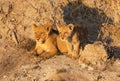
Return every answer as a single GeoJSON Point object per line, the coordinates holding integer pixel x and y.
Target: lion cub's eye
{"type": "Point", "coordinates": [59, 32]}
{"type": "Point", "coordinates": [37, 39]}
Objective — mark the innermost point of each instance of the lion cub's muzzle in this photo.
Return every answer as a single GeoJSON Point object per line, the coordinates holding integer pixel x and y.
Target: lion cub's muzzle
{"type": "Point", "coordinates": [41, 41]}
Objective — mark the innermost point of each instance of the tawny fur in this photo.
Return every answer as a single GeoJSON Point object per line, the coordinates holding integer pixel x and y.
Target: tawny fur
{"type": "Point", "coordinates": [69, 38]}
{"type": "Point", "coordinates": [46, 45]}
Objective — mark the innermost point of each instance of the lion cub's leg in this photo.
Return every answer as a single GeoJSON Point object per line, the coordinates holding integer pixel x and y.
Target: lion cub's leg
{"type": "Point", "coordinates": [73, 46]}
{"type": "Point", "coordinates": [49, 50]}
{"type": "Point", "coordinates": [43, 53]}
{"type": "Point", "coordinates": [36, 52]}
{"type": "Point", "coordinates": [70, 48]}
{"type": "Point", "coordinates": [73, 49]}
{"type": "Point", "coordinates": [38, 48]}
{"type": "Point", "coordinates": [75, 53]}
{"type": "Point", "coordinates": [47, 55]}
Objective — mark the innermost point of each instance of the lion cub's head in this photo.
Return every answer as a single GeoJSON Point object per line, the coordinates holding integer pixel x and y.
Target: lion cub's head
{"type": "Point", "coordinates": [41, 32]}
{"type": "Point", "coordinates": [65, 31]}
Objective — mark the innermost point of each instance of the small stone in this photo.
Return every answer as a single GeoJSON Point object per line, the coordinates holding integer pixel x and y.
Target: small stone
{"type": "Point", "coordinates": [0, 36]}
{"type": "Point", "coordinates": [7, 7]}
{"type": "Point", "coordinates": [93, 54]}
{"type": "Point", "coordinates": [99, 77]}
{"type": "Point", "coordinates": [90, 68]}
{"type": "Point", "coordinates": [118, 75]}
{"type": "Point", "coordinates": [36, 79]}
{"type": "Point", "coordinates": [37, 67]}
{"type": "Point", "coordinates": [44, 74]}
{"type": "Point", "coordinates": [12, 20]}
{"type": "Point", "coordinates": [4, 76]}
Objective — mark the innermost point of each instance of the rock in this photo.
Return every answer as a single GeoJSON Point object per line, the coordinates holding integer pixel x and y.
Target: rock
{"type": "Point", "coordinates": [6, 7]}
{"type": "Point", "coordinates": [118, 34]}
{"type": "Point", "coordinates": [66, 76]}
{"type": "Point", "coordinates": [36, 79]}
{"type": "Point", "coordinates": [93, 54]}
{"type": "Point", "coordinates": [0, 36]}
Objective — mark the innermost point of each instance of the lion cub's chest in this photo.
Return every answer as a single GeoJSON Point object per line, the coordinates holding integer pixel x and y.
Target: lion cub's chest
{"type": "Point", "coordinates": [49, 44]}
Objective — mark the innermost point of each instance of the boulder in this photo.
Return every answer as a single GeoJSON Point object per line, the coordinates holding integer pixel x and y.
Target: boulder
{"type": "Point", "coordinates": [93, 54]}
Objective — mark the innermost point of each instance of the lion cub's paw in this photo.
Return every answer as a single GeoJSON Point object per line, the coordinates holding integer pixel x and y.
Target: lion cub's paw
{"type": "Point", "coordinates": [46, 55]}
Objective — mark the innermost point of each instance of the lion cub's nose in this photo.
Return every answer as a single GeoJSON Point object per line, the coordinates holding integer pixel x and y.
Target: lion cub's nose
{"type": "Point", "coordinates": [43, 41]}
{"type": "Point", "coordinates": [37, 39]}
{"type": "Point", "coordinates": [62, 38]}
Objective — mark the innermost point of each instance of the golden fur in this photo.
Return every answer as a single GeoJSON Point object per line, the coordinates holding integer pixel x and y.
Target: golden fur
{"type": "Point", "coordinates": [67, 42]}
{"type": "Point", "coordinates": [45, 41]}
{"type": "Point", "coordinates": [69, 38]}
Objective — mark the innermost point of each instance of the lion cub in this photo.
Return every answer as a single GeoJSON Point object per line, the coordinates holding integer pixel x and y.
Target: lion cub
{"type": "Point", "coordinates": [45, 41]}
{"type": "Point", "coordinates": [69, 36]}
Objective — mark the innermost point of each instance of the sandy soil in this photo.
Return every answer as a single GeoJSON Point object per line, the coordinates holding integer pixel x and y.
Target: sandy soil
{"type": "Point", "coordinates": [17, 39]}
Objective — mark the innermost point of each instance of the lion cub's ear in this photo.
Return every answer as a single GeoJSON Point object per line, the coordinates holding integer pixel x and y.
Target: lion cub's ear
{"type": "Point", "coordinates": [58, 27]}
{"type": "Point", "coordinates": [47, 27]}
{"type": "Point", "coordinates": [71, 26]}
{"type": "Point", "coordinates": [34, 26]}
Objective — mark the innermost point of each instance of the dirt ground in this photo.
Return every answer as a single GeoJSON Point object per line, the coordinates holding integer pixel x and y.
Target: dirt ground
{"type": "Point", "coordinates": [101, 18]}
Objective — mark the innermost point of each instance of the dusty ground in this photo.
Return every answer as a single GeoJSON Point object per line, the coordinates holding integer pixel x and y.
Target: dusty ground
{"type": "Point", "coordinates": [16, 38]}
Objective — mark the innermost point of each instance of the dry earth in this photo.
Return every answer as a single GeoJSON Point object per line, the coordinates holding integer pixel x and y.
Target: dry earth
{"type": "Point", "coordinates": [102, 19]}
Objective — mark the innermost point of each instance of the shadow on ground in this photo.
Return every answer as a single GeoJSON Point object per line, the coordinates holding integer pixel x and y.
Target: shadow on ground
{"type": "Point", "coordinates": [113, 51]}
